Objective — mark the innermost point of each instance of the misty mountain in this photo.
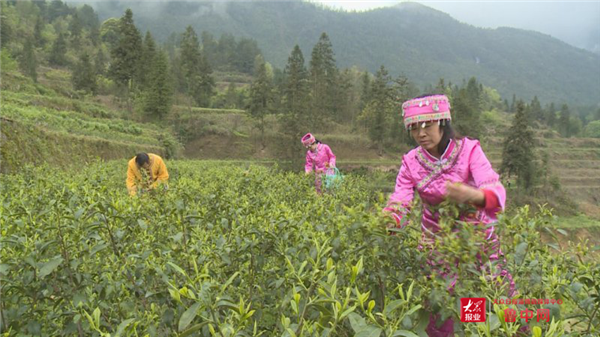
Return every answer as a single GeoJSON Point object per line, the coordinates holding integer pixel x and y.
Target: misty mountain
{"type": "Point", "coordinates": [410, 39]}
{"type": "Point", "coordinates": [577, 23]}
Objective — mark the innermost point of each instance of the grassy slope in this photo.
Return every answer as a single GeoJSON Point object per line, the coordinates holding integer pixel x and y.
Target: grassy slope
{"type": "Point", "coordinates": [49, 122]}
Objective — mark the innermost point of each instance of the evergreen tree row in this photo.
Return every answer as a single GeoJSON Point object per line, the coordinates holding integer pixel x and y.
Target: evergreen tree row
{"type": "Point", "coordinates": [114, 57]}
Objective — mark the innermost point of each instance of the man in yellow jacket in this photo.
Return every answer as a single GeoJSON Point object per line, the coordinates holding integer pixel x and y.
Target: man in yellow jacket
{"type": "Point", "coordinates": [145, 171]}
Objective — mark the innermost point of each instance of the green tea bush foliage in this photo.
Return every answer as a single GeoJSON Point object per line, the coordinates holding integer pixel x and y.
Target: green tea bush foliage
{"type": "Point", "coordinates": [244, 250]}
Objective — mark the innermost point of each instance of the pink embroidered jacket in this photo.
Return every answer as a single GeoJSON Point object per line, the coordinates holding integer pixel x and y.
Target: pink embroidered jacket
{"type": "Point", "coordinates": [318, 158]}
{"type": "Point", "coordinates": [463, 161]}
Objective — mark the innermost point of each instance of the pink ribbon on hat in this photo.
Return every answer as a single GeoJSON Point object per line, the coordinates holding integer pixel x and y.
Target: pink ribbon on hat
{"type": "Point", "coordinates": [308, 139]}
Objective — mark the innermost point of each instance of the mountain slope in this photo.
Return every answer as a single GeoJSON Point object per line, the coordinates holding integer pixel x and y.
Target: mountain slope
{"type": "Point", "coordinates": [410, 39]}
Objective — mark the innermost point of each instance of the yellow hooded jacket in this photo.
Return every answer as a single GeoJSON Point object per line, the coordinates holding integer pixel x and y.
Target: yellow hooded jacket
{"type": "Point", "coordinates": [158, 171]}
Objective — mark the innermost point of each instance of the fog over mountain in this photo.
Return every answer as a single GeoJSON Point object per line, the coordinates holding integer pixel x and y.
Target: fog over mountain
{"type": "Point", "coordinates": [411, 39]}
{"type": "Point", "coordinates": [574, 22]}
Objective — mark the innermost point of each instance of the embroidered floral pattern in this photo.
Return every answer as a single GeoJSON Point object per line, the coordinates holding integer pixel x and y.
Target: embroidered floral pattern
{"type": "Point", "coordinates": [489, 183]}
{"type": "Point", "coordinates": [437, 168]}
{"type": "Point", "coordinates": [426, 118]}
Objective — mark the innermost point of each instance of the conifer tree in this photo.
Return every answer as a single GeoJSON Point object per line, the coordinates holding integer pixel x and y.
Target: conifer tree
{"type": "Point", "coordinates": [226, 50]}
{"type": "Point", "coordinates": [43, 8]}
{"type": "Point", "coordinates": [365, 95]}
{"type": "Point", "coordinates": [146, 60]}
{"type": "Point", "coordinates": [518, 153]}
{"type": "Point", "coordinates": [95, 36]}
{"type": "Point", "coordinates": [28, 61]}
{"type": "Point", "coordinates": [159, 88]}
{"type": "Point", "coordinates": [377, 114]}
{"type": "Point", "coordinates": [210, 48]}
{"type": "Point", "coordinates": [37, 32]}
{"type": "Point", "coordinates": [550, 115]}
{"type": "Point", "coordinates": [465, 117]}
{"type": "Point", "coordinates": [261, 97]}
{"type": "Point", "coordinates": [126, 54]}
{"type": "Point", "coordinates": [506, 106]}
{"type": "Point", "coordinates": [100, 63]}
{"type": "Point", "coordinates": [535, 107]}
{"type": "Point", "coordinates": [88, 17]}
{"type": "Point", "coordinates": [513, 104]}
{"type": "Point", "coordinates": [402, 90]}
{"type": "Point", "coordinates": [190, 50]}
{"type": "Point", "coordinates": [206, 82]}
{"type": "Point", "coordinates": [199, 83]}
{"type": "Point", "coordinates": [6, 26]}
{"type": "Point", "coordinates": [84, 76]}
{"type": "Point", "coordinates": [75, 28]}
{"type": "Point", "coordinates": [473, 94]}
{"type": "Point", "coordinates": [323, 80]}
{"type": "Point", "coordinates": [295, 84]}
{"type": "Point", "coordinates": [294, 120]}
{"type": "Point", "coordinates": [58, 52]}
{"type": "Point", "coordinates": [246, 51]}
{"type": "Point", "coordinates": [440, 88]}
{"type": "Point", "coordinates": [564, 122]}
{"type": "Point", "coordinates": [57, 9]}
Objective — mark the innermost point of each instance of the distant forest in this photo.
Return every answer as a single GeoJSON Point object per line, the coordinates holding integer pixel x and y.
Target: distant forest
{"type": "Point", "coordinates": [115, 58]}
{"type": "Point", "coordinates": [409, 39]}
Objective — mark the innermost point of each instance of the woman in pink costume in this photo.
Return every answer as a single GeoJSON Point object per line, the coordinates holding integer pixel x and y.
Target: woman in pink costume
{"type": "Point", "coordinates": [318, 158]}
{"type": "Point", "coordinates": [445, 167]}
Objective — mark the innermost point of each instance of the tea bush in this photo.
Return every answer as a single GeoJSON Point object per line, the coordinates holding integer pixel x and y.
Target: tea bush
{"type": "Point", "coordinates": [245, 250]}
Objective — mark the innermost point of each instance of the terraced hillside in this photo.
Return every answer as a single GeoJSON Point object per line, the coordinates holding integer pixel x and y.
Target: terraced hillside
{"type": "Point", "coordinates": [574, 161]}
{"type": "Point", "coordinates": [48, 122]}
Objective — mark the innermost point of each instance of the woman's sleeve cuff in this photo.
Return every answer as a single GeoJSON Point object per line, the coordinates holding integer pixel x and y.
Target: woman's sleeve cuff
{"type": "Point", "coordinates": [491, 199]}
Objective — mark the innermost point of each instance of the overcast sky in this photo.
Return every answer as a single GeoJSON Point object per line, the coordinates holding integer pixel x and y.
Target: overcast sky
{"type": "Point", "coordinates": [575, 22]}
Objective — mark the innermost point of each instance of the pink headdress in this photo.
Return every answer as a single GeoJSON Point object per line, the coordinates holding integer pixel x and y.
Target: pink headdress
{"type": "Point", "coordinates": [426, 109]}
{"type": "Point", "coordinates": [308, 139]}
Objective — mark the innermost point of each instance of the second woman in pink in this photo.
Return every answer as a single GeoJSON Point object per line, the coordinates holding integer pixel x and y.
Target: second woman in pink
{"type": "Point", "coordinates": [319, 158]}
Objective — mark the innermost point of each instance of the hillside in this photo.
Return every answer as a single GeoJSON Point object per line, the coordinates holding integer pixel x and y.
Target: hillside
{"type": "Point", "coordinates": [41, 123]}
{"type": "Point", "coordinates": [50, 123]}
{"type": "Point", "coordinates": [410, 39]}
